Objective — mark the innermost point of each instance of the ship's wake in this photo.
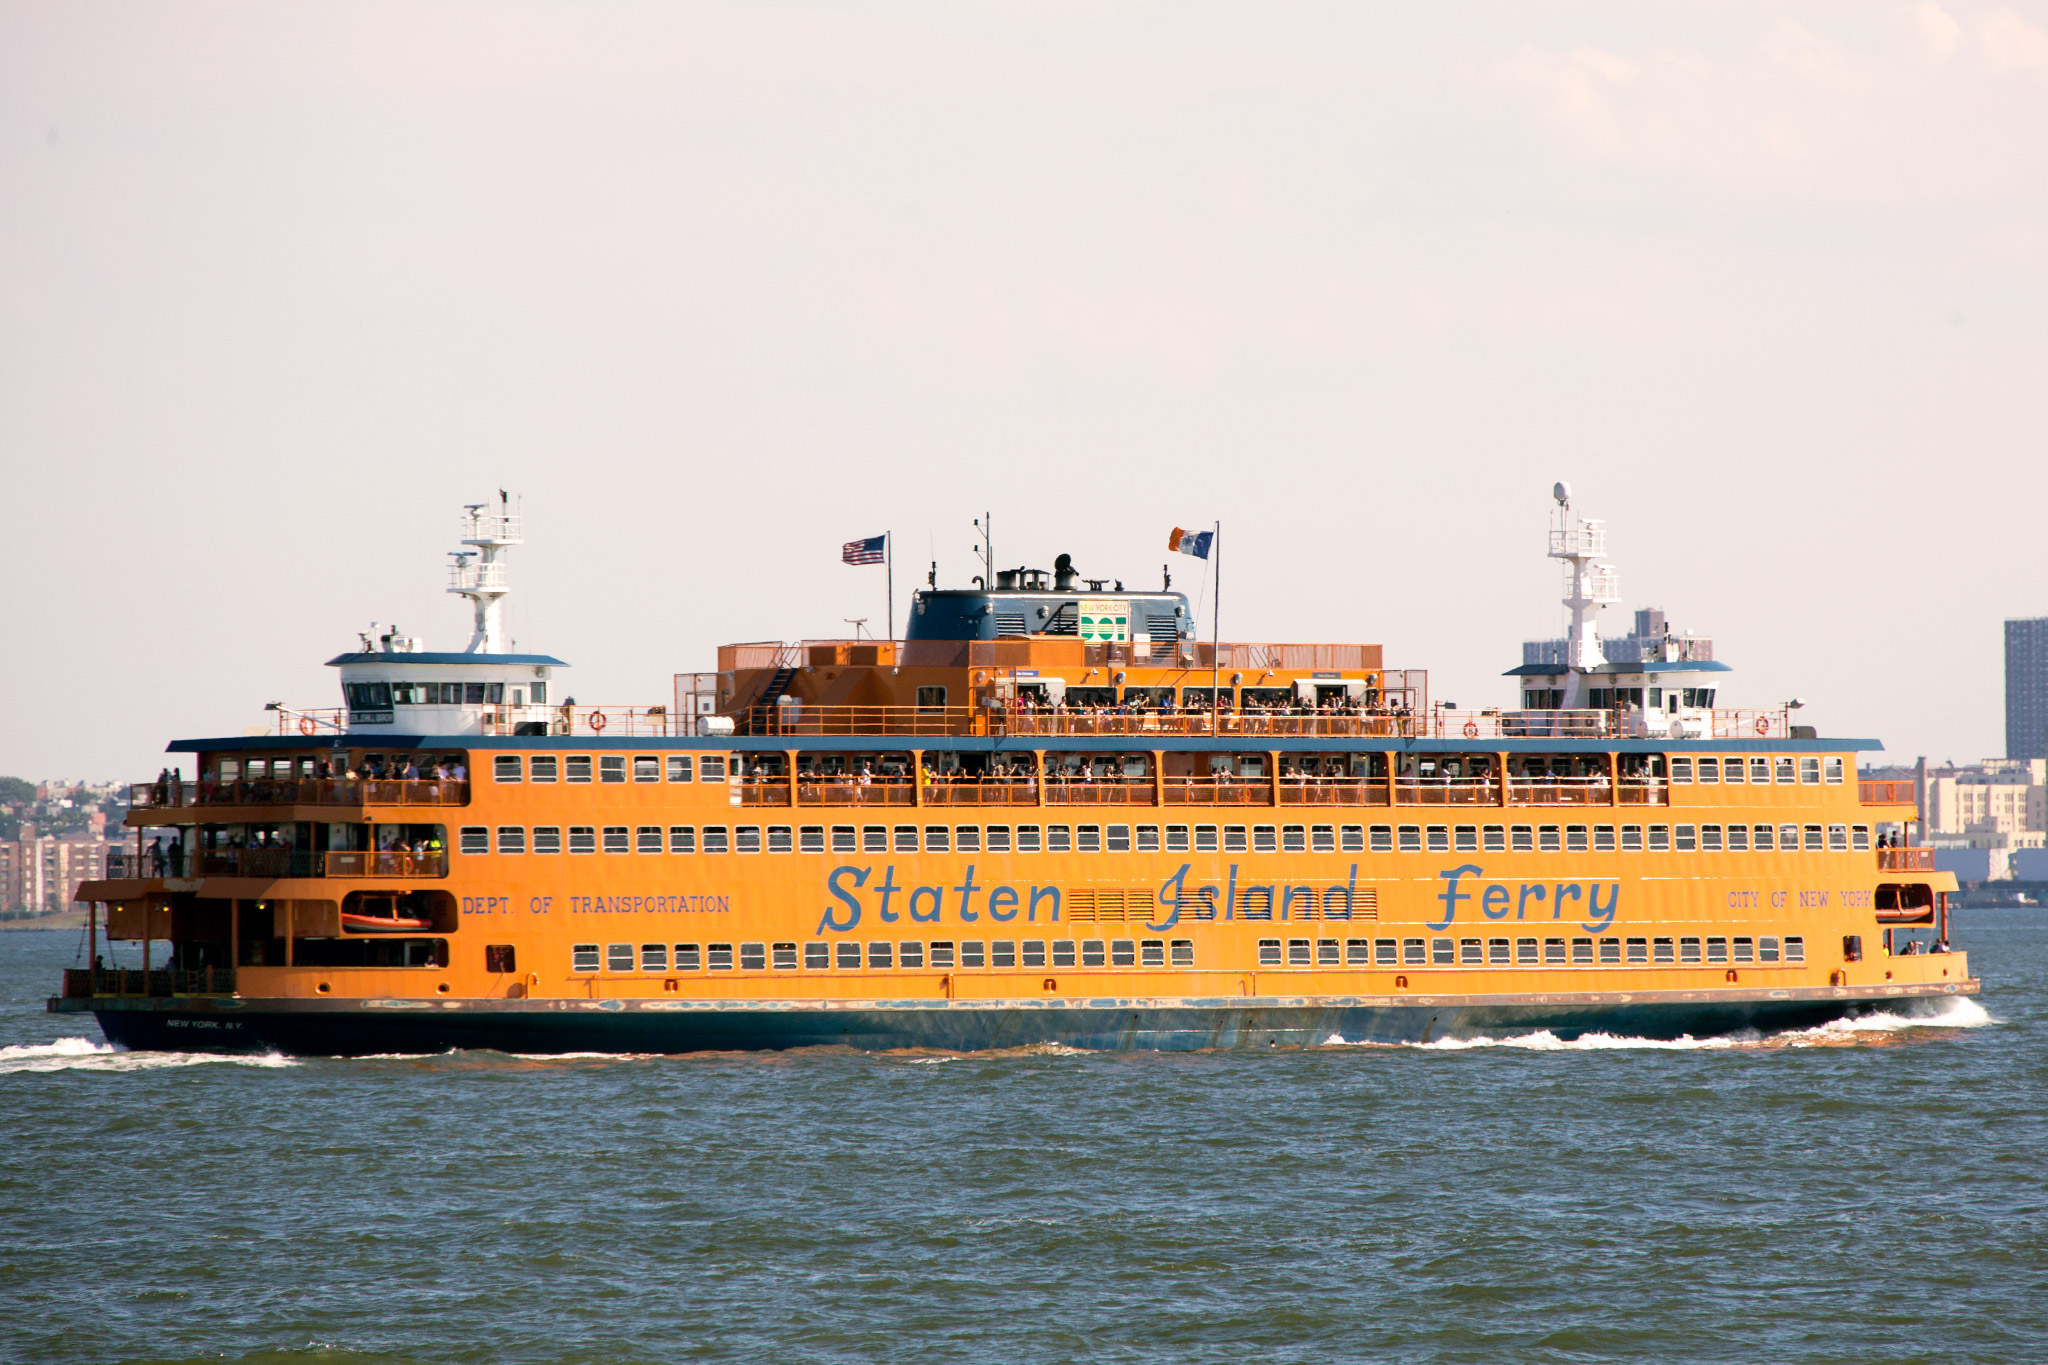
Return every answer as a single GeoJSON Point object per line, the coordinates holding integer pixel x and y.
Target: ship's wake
{"type": "Point", "coordinates": [1875, 1027]}
{"type": "Point", "coordinates": [83, 1054]}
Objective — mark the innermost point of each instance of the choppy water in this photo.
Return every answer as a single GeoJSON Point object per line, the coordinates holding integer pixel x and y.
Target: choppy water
{"type": "Point", "coordinates": [1859, 1193]}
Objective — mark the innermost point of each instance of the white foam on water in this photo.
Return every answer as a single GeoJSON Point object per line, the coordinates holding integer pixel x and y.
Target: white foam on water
{"type": "Point", "coordinates": [931, 1061]}
{"type": "Point", "coordinates": [1955, 1012]}
{"type": "Point", "coordinates": [83, 1054]}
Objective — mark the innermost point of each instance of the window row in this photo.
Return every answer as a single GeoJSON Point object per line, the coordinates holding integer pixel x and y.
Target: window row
{"type": "Point", "coordinates": [1527, 952]}
{"type": "Point", "coordinates": [608, 767]}
{"type": "Point", "coordinates": [1758, 770]}
{"type": "Point", "coordinates": [885, 954]}
{"type": "Point", "coordinates": [1787, 838]}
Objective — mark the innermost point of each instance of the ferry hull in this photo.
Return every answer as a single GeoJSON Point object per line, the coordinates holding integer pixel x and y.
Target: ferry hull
{"type": "Point", "coordinates": [358, 1028]}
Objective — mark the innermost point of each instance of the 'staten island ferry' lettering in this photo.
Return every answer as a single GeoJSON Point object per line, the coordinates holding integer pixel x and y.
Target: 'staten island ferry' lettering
{"type": "Point", "coordinates": [1049, 813]}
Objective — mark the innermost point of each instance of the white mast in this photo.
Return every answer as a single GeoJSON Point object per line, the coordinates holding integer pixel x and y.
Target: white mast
{"type": "Point", "coordinates": [1588, 586]}
{"type": "Point", "coordinates": [483, 582]}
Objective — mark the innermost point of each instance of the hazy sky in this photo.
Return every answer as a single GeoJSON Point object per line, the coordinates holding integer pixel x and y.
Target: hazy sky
{"type": "Point", "coordinates": [716, 287]}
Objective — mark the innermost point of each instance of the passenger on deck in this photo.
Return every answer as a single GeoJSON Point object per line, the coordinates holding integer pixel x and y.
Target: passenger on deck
{"type": "Point", "coordinates": [176, 856]}
{"type": "Point", "coordinates": [156, 858]}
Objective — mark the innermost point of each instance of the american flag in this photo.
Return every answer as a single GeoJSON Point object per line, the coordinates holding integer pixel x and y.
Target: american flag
{"type": "Point", "coordinates": [867, 551]}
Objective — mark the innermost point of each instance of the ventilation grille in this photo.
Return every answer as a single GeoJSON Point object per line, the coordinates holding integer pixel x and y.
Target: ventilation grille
{"type": "Point", "coordinates": [1009, 623]}
{"type": "Point", "coordinates": [1096, 904]}
{"type": "Point", "coordinates": [1164, 630]}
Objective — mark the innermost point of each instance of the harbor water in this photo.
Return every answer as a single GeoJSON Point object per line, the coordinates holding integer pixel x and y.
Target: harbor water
{"type": "Point", "coordinates": [1868, 1191]}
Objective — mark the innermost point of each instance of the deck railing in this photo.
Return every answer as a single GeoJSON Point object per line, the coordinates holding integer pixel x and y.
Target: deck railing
{"type": "Point", "coordinates": [968, 791]}
{"type": "Point", "coordinates": [1061, 791]}
{"type": "Point", "coordinates": [792, 719]}
{"type": "Point", "coordinates": [277, 863]}
{"type": "Point", "coordinates": [848, 792]}
{"type": "Point", "coordinates": [1333, 791]}
{"type": "Point", "coordinates": [82, 983]}
{"type": "Point", "coordinates": [1560, 791]}
{"type": "Point", "coordinates": [1887, 791]}
{"type": "Point", "coordinates": [1217, 791]}
{"type": "Point", "coordinates": [1905, 859]}
{"type": "Point", "coordinates": [258, 793]}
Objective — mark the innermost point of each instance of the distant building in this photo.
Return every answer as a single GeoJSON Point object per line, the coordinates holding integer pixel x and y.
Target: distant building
{"type": "Point", "coordinates": [2026, 688]}
{"type": "Point", "coordinates": [39, 874]}
{"type": "Point", "coordinates": [1995, 809]}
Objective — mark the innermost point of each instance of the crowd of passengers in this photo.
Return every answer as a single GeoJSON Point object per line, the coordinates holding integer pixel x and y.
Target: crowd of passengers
{"type": "Point", "coordinates": [1033, 701]}
{"type": "Point", "coordinates": [169, 790]}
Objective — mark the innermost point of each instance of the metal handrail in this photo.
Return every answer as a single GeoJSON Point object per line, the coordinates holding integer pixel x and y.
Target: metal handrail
{"type": "Point", "coordinates": [1887, 791]}
{"type": "Point", "coordinates": [352, 792]}
{"type": "Point", "coordinates": [1905, 860]}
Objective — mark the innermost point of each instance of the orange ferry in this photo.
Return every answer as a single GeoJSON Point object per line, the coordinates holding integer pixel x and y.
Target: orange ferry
{"type": "Point", "coordinates": [1049, 813]}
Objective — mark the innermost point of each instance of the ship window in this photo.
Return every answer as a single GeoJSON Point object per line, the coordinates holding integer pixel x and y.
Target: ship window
{"type": "Point", "coordinates": [654, 957]}
{"type": "Point", "coordinates": [1731, 771]}
{"type": "Point", "coordinates": [583, 838]}
{"type": "Point", "coordinates": [874, 838]}
{"type": "Point", "coordinates": [1003, 953]}
{"type": "Point", "coordinates": [1233, 838]}
{"type": "Point", "coordinates": [1610, 950]}
{"type": "Point", "coordinates": [1439, 839]}
{"type": "Point", "coordinates": [507, 768]}
{"type": "Point", "coordinates": [967, 838]}
{"type": "Point", "coordinates": [881, 954]}
{"type": "Point", "coordinates": [1688, 838]}
{"type": "Point", "coordinates": [1639, 950]}
{"type": "Point", "coordinates": [617, 839]}
{"type": "Point", "coordinates": [618, 957]}
{"type": "Point", "coordinates": [1795, 948]}
{"type": "Point", "coordinates": [1717, 950]}
{"type": "Point", "coordinates": [845, 839]}
{"type": "Point", "coordinates": [688, 958]}
{"type": "Point", "coordinates": [1269, 952]}
{"type": "Point", "coordinates": [718, 956]}
{"type": "Point", "coordinates": [1603, 838]}
{"type": "Point", "coordinates": [785, 957]}
{"type": "Point", "coordinates": [906, 838]}
{"type": "Point", "coordinates": [579, 767]}
{"type": "Point", "coordinates": [1525, 952]}
{"type": "Point", "coordinates": [1386, 952]}
{"type": "Point", "coordinates": [1788, 838]}
{"type": "Point", "coordinates": [1575, 838]}
{"type": "Point", "coordinates": [511, 838]}
{"type": "Point", "coordinates": [1710, 771]}
{"type": "Point", "coordinates": [1495, 838]}
{"type": "Point", "coordinates": [1358, 952]}
{"type": "Point", "coordinates": [848, 956]}
{"type": "Point", "coordinates": [712, 767]}
{"type": "Point", "coordinates": [779, 840]}
{"type": "Point", "coordinates": [817, 956]}
{"type": "Point", "coordinates": [1582, 951]}
{"type": "Point", "coordinates": [715, 839]}
{"type": "Point", "coordinates": [1091, 952]}
{"type": "Point", "coordinates": [1499, 952]}
{"type": "Point", "coordinates": [547, 838]}
{"type": "Point", "coordinates": [1063, 952]}
{"type": "Point", "coordinates": [543, 768]}
{"type": "Point", "coordinates": [500, 957]}
{"type": "Point", "coordinates": [679, 766]}
{"type": "Point", "coordinates": [931, 696]}
{"type": "Point", "coordinates": [1443, 952]}
{"type": "Point", "coordinates": [1738, 838]}
{"type": "Point", "coordinates": [1834, 768]}
{"type": "Point", "coordinates": [583, 958]}
{"type": "Point", "coordinates": [1299, 952]}
{"type": "Point", "coordinates": [1745, 950]}
{"type": "Point", "coordinates": [811, 839]}
{"type": "Point", "coordinates": [474, 839]}
{"type": "Point", "coordinates": [1759, 769]}
{"type": "Point", "coordinates": [1813, 838]}
{"type": "Point", "coordinates": [1553, 950]}
{"type": "Point", "coordinates": [1660, 838]}
{"type": "Point", "coordinates": [1688, 950]}
{"type": "Point", "coordinates": [1414, 951]}
{"type": "Point", "coordinates": [998, 838]}
{"type": "Point", "coordinates": [1059, 839]}
{"type": "Point", "coordinates": [1028, 839]}
{"type": "Point", "coordinates": [1763, 838]}
{"type": "Point", "coordinates": [1547, 839]}
{"type": "Point", "coordinates": [1177, 838]}
{"type": "Point", "coordinates": [1351, 838]}
{"type": "Point", "coordinates": [937, 839]}
{"type": "Point", "coordinates": [1809, 771]}
{"type": "Point", "coordinates": [1838, 838]}
{"type": "Point", "coordinates": [646, 767]}
{"type": "Point", "coordinates": [1859, 837]}
{"type": "Point", "coordinates": [1710, 838]}
{"type": "Point", "coordinates": [647, 839]}
{"type": "Point", "coordinates": [1183, 952]}
{"type": "Point", "coordinates": [910, 953]}
{"type": "Point", "coordinates": [1782, 769]}
{"type": "Point", "coordinates": [1411, 838]}
{"type": "Point", "coordinates": [1148, 838]}
{"type": "Point", "coordinates": [1152, 952]}
{"type": "Point", "coordinates": [1262, 839]}
{"type": "Point", "coordinates": [1471, 951]}
{"type": "Point", "coordinates": [973, 953]}
{"type": "Point", "coordinates": [1681, 772]}
{"type": "Point", "coordinates": [1205, 838]}
{"type": "Point", "coordinates": [682, 839]}
{"type": "Point", "coordinates": [1660, 950]}
{"type": "Point", "coordinates": [1328, 953]}
{"type": "Point", "coordinates": [1466, 838]}
{"type": "Point", "coordinates": [1293, 838]}
{"type": "Point", "coordinates": [1090, 838]}
{"type": "Point", "coordinates": [1382, 839]}
{"type": "Point", "coordinates": [1522, 838]}
{"type": "Point", "coordinates": [746, 839]}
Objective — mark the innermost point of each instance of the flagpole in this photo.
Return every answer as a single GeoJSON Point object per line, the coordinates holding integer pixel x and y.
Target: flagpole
{"type": "Point", "coordinates": [889, 578]}
{"type": "Point", "coordinates": [1216, 632]}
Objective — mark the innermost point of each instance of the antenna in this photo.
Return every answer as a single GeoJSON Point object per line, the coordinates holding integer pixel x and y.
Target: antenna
{"type": "Point", "coordinates": [1588, 586]}
{"type": "Point", "coordinates": [484, 582]}
{"type": "Point", "coordinates": [859, 623]}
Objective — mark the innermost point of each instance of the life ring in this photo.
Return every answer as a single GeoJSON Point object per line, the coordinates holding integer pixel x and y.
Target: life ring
{"type": "Point", "coordinates": [1471, 729]}
{"type": "Point", "coordinates": [597, 722]}
{"type": "Point", "coordinates": [306, 725]}
{"type": "Point", "coordinates": [1763, 725]}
